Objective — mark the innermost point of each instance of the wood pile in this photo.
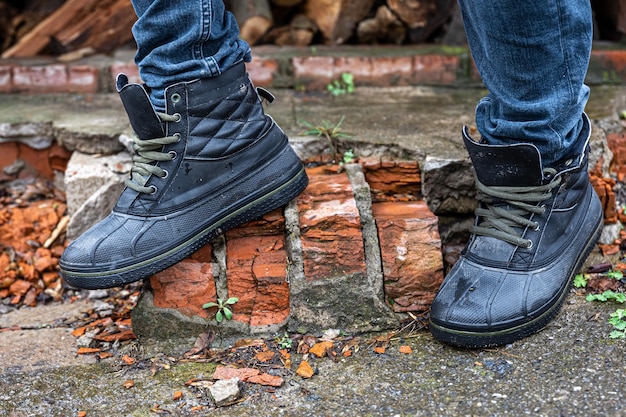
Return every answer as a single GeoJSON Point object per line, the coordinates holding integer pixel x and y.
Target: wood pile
{"type": "Point", "coordinates": [81, 27]}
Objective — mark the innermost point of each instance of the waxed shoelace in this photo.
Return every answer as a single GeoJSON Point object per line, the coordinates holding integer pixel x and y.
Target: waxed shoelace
{"type": "Point", "coordinates": [507, 208]}
{"type": "Point", "coordinates": [147, 152]}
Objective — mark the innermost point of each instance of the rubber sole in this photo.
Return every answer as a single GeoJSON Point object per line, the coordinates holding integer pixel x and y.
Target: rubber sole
{"type": "Point", "coordinates": [473, 340]}
{"type": "Point", "coordinates": [265, 203]}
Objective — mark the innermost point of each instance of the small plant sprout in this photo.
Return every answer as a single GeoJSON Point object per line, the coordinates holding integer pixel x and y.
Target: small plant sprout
{"type": "Point", "coordinates": [332, 133]}
{"type": "Point", "coordinates": [617, 275]}
{"type": "Point", "coordinates": [618, 320]}
{"type": "Point", "coordinates": [607, 295]}
{"type": "Point", "coordinates": [223, 311]}
{"type": "Point", "coordinates": [283, 342]}
{"type": "Point", "coordinates": [580, 281]}
{"type": "Point", "coordinates": [344, 85]}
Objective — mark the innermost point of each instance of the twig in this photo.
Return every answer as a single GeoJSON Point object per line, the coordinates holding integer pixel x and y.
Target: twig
{"type": "Point", "coordinates": [60, 228]}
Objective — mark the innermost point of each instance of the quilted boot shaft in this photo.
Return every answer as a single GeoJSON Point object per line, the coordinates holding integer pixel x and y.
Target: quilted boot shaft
{"type": "Point", "coordinates": [212, 161]}
{"type": "Point", "coordinates": [534, 228]}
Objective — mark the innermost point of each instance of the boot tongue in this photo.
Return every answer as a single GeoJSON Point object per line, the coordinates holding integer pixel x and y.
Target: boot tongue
{"type": "Point", "coordinates": [517, 165]}
{"type": "Point", "coordinates": [143, 118]}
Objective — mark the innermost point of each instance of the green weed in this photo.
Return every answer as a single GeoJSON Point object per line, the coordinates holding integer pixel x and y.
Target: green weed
{"type": "Point", "coordinates": [223, 311]}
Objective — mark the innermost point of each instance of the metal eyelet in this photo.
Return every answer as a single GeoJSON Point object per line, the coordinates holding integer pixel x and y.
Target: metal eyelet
{"type": "Point", "coordinates": [165, 174]}
{"type": "Point", "coordinates": [153, 190]}
{"type": "Point", "coordinates": [536, 227]}
{"type": "Point", "coordinates": [529, 245]}
{"type": "Point", "coordinates": [177, 136]}
{"type": "Point", "coordinates": [173, 154]}
{"type": "Point", "coordinates": [176, 98]}
{"type": "Point", "coordinates": [177, 116]}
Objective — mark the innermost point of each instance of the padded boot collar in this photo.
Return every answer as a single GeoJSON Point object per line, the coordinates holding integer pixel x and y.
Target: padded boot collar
{"type": "Point", "coordinates": [496, 165]}
{"type": "Point", "coordinates": [141, 114]}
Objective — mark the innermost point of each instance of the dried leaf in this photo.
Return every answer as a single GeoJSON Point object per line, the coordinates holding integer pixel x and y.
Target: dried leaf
{"type": "Point", "coordinates": [178, 395]}
{"type": "Point", "coordinates": [129, 384]}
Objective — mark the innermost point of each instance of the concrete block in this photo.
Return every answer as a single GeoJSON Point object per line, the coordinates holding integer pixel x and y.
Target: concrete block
{"type": "Point", "coordinates": [93, 184]}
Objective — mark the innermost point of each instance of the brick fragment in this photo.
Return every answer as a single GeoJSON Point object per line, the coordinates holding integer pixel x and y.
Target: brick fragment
{"type": "Point", "coordinates": [256, 273]}
{"type": "Point", "coordinates": [330, 223]}
{"type": "Point", "coordinates": [411, 253]}
{"type": "Point", "coordinates": [185, 286]}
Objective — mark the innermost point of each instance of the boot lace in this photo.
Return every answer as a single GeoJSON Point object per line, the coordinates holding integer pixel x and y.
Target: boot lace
{"type": "Point", "coordinates": [501, 220]}
{"type": "Point", "coordinates": [147, 152]}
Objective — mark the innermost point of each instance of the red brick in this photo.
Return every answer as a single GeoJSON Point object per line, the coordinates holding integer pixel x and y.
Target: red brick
{"type": "Point", "coordinates": [130, 70]}
{"type": "Point", "coordinates": [330, 224]}
{"type": "Point", "coordinates": [6, 85]}
{"type": "Point", "coordinates": [391, 71]}
{"type": "Point", "coordinates": [257, 275]}
{"type": "Point", "coordinates": [411, 253]}
{"type": "Point", "coordinates": [617, 144]}
{"type": "Point", "coordinates": [392, 179]}
{"type": "Point", "coordinates": [315, 72]}
{"type": "Point", "coordinates": [40, 79]}
{"type": "Point", "coordinates": [359, 66]}
{"type": "Point", "coordinates": [614, 60]}
{"type": "Point", "coordinates": [9, 152]}
{"type": "Point", "coordinates": [439, 69]}
{"type": "Point", "coordinates": [262, 71]}
{"type": "Point", "coordinates": [83, 79]}
{"type": "Point", "coordinates": [185, 286]}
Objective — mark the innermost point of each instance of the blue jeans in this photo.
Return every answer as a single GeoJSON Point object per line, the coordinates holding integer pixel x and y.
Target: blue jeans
{"type": "Point", "coordinates": [533, 58]}
{"type": "Point", "coordinates": [184, 40]}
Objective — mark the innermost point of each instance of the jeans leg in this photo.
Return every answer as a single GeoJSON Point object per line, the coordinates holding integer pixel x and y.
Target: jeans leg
{"type": "Point", "coordinates": [183, 41]}
{"type": "Point", "coordinates": [533, 58]}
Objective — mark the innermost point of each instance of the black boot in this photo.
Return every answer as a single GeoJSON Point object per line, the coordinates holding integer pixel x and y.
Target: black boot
{"type": "Point", "coordinates": [211, 162]}
{"type": "Point", "coordinates": [534, 228]}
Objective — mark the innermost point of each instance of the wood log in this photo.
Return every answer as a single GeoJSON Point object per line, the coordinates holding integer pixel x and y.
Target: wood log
{"type": "Point", "coordinates": [286, 3]}
{"type": "Point", "coordinates": [102, 28]}
{"type": "Point", "coordinates": [610, 17]}
{"type": "Point", "coordinates": [384, 27]}
{"type": "Point", "coordinates": [442, 11]}
{"type": "Point", "coordinates": [337, 19]}
{"type": "Point", "coordinates": [254, 18]}
{"type": "Point", "coordinates": [105, 23]}
{"type": "Point", "coordinates": [300, 32]}
{"type": "Point", "coordinates": [415, 13]}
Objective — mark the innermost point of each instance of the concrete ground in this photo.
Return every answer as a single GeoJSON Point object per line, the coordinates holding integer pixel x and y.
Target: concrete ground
{"type": "Point", "coordinates": [571, 368]}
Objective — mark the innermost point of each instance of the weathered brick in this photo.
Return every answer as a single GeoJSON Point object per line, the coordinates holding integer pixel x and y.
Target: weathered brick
{"type": "Point", "coordinates": [315, 72]}
{"type": "Point", "coordinates": [6, 84]}
{"type": "Point", "coordinates": [262, 71]}
{"type": "Point", "coordinates": [359, 66]}
{"type": "Point", "coordinates": [130, 70]}
{"type": "Point", "coordinates": [391, 71]}
{"type": "Point", "coordinates": [256, 274]}
{"type": "Point", "coordinates": [392, 179]}
{"type": "Point", "coordinates": [332, 242]}
{"type": "Point", "coordinates": [9, 152]}
{"type": "Point", "coordinates": [40, 79]}
{"type": "Point", "coordinates": [82, 79]}
{"type": "Point", "coordinates": [617, 144]}
{"type": "Point", "coordinates": [607, 66]}
{"type": "Point", "coordinates": [411, 253]}
{"type": "Point", "coordinates": [185, 286]}
{"type": "Point", "coordinates": [439, 69]}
